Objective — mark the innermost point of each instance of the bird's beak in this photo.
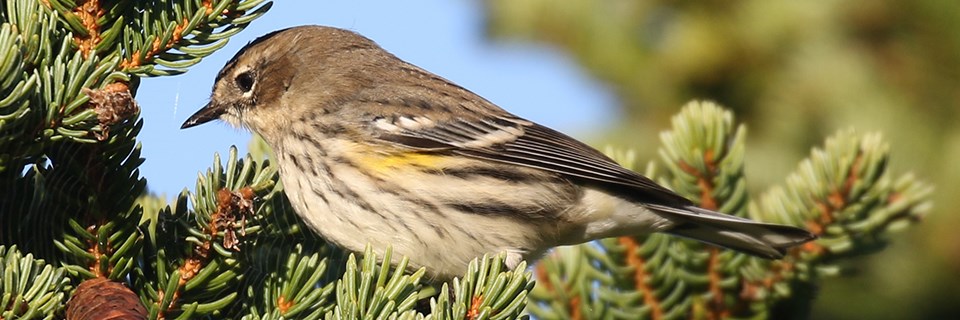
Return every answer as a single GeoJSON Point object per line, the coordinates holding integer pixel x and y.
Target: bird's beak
{"type": "Point", "coordinates": [209, 112]}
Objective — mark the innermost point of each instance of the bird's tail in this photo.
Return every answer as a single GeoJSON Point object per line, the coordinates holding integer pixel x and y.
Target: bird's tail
{"type": "Point", "coordinates": [747, 236]}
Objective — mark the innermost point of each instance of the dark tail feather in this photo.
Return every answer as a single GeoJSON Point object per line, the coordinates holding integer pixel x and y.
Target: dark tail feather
{"type": "Point", "coordinates": [760, 239]}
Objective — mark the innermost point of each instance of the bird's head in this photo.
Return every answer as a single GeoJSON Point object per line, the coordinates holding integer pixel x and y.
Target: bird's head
{"type": "Point", "coordinates": [288, 75]}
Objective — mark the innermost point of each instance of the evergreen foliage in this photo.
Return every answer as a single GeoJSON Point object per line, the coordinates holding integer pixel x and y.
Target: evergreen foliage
{"type": "Point", "coordinates": [842, 192]}
{"type": "Point", "coordinates": [233, 248]}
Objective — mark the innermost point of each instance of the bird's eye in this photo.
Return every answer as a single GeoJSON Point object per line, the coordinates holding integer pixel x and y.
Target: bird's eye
{"type": "Point", "coordinates": [245, 81]}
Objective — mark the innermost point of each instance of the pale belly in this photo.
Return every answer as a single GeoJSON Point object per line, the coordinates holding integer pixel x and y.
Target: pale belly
{"type": "Point", "coordinates": [436, 222]}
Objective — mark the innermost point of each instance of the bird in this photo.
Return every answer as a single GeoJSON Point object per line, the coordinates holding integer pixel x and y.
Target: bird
{"type": "Point", "coordinates": [373, 150]}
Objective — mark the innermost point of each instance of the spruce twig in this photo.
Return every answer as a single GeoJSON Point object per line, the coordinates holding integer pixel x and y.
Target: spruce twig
{"type": "Point", "coordinates": [30, 288]}
{"type": "Point", "coordinates": [843, 192]}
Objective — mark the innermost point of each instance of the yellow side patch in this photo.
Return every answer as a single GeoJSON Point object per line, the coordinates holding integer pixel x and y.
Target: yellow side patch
{"type": "Point", "coordinates": [386, 163]}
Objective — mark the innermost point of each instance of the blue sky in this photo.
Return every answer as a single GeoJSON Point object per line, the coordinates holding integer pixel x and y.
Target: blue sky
{"type": "Point", "coordinates": [444, 37]}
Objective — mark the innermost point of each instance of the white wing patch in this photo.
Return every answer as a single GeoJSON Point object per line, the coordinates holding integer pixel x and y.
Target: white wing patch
{"type": "Point", "coordinates": [459, 133]}
{"type": "Point", "coordinates": [415, 123]}
{"type": "Point", "coordinates": [492, 138]}
{"type": "Point", "coordinates": [386, 125]}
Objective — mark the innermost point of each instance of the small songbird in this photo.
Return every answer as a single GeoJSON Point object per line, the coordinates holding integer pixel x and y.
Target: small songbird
{"type": "Point", "coordinates": [372, 149]}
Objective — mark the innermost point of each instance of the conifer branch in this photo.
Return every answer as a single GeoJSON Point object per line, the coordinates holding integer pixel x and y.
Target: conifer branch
{"type": "Point", "coordinates": [204, 277]}
{"type": "Point", "coordinates": [69, 125]}
{"type": "Point", "coordinates": [31, 288]}
{"type": "Point", "coordinates": [842, 192]}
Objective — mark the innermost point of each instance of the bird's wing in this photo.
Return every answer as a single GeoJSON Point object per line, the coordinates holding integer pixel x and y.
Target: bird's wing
{"type": "Point", "coordinates": [520, 142]}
